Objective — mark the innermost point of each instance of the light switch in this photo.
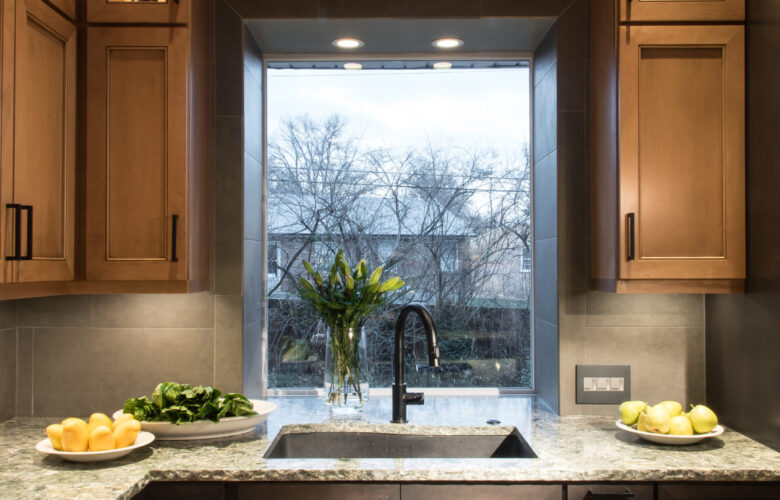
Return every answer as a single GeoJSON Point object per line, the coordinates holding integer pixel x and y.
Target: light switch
{"type": "Point", "coordinates": [603, 384]}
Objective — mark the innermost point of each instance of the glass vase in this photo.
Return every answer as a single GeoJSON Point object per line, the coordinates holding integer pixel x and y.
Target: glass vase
{"type": "Point", "coordinates": [346, 371]}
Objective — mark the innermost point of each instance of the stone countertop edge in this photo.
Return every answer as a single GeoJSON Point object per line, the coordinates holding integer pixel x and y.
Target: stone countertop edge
{"type": "Point", "coordinates": [569, 449]}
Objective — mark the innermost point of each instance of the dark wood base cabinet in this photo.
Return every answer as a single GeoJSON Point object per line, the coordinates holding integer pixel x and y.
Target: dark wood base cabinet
{"type": "Point", "coordinates": [456, 491]}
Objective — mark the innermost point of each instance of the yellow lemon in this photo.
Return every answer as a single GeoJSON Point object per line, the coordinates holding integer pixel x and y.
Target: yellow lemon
{"type": "Point", "coordinates": [54, 433]}
{"type": "Point", "coordinates": [75, 436]}
{"type": "Point", "coordinates": [98, 419]}
{"type": "Point", "coordinates": [120, 420]}
{"type": "Point", "coordinates": [101, 439]}
{"type": "Point", "coordinates": [126, 433]}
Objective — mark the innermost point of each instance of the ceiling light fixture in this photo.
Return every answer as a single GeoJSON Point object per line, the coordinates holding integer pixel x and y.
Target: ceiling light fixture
{"type": "Point", "coordinates": [447, 43]}
{"type": "Point", "coordinates": [442, 65]}
{"type": "Point", "coordinates": [347, 43]}
{"type": "Point", "coordinates": [353, 65]}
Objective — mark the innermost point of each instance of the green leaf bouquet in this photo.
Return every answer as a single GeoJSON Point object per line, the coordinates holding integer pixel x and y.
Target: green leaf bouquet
{"type": "Point", "coordinates": [344, 298]}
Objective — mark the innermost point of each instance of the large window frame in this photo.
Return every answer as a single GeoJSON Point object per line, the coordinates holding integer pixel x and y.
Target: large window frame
{"type": "Point", "coordinates": [462, 56]}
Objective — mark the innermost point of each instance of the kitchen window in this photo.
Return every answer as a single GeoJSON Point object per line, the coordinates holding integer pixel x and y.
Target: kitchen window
{"type": "Point", "coordinates": [424, 171]}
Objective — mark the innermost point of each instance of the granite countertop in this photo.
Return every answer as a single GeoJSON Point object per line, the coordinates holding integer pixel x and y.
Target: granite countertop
{"type": "Point", "coordinates": [568, 448]}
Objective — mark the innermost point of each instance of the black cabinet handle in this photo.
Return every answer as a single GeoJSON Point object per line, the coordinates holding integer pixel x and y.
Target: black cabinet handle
{"type": "Point", "coordinates": [631, 249]}
{"type": "Point", "coordinates": [624, 495]}
{"type": "Point", "coordinates": [174, 230]}
{"type": "Point", "coordinates": [17, 226]}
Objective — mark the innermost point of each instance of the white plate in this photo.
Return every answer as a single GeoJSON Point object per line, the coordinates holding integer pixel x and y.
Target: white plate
{"type": "Point", "coordinates": [671, 439]}
{"type": "Point", "coordinates": [206, 429]}
{"type": "Point", "coordinates": [143, 439]}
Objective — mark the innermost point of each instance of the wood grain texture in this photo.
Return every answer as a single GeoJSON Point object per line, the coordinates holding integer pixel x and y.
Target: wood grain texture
{"type": "Point", "coordinates": [159, 12]}
{"type": "Point", "coordinates": [45, 139]}
{"type": "Point", "coordinates": [7, 30]}
{"type": "Point", "coordinates": [700, 10]}
{"type": "Point", "coordinates": [669, 286]}
{"type": "Point", "coordinates": [481, 491]}
{"type": "Point", "coordinates": [67, 7]}
{"type": "Point", "coordinates": [137, 160]}
{"type": "Point", "coordinates": [682, 140]}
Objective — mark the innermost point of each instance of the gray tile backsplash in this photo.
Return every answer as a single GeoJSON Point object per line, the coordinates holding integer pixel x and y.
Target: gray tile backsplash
{"type": "Point", "coordinates": [7, 372]}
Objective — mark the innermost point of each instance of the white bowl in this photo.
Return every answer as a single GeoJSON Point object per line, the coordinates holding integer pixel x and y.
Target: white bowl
{"type": "Point", "coordinates": [143, 439]}
{"type": "Point", "coordinates": [206, 429]}
{"type": "Point", "coordinates": [669, 438]}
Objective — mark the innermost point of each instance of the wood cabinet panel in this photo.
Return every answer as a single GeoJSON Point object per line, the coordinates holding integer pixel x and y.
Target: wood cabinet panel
{"type": "Point", "coordinates": [137, 154]}
{"type": "Point", "coordinates": [43, 175]}
{"type": "Point", "coordinates": [319, 491]}
{"type": "Point", "coordinates": [682, 10]}
{"type": "Point", "coordinates": [630, 491]}
{"type": "Point", "coordinates": [682, 152]}
{"type": "Point", "coordinates": [67, 7]}
{"type": "Point", "coordinates": [718, 491]}
{"type": "Point", "coordinates": [481, 491]}
{"type": "Point", "coordinates": [138, 11]}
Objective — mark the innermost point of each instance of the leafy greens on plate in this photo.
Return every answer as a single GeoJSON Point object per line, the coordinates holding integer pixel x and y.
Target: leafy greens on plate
{"type": "Point", "coordinates": [182, 403]}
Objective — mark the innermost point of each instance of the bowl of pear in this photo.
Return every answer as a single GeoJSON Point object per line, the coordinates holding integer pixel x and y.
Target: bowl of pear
{"type": "Point", "coordinates": [666, 423]}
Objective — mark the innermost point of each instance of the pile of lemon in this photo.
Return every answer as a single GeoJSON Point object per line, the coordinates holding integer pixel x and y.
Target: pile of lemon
{"type": "Point", "coordinates": [100, 434]}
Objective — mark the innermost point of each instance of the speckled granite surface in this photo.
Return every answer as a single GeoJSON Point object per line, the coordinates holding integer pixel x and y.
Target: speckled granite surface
{"type": "Point", "coordinates": [569, 449]}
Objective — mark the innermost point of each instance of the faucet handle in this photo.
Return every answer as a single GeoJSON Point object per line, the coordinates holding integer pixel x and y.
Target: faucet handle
{"type": "Point", "coordinates": [414, 398]}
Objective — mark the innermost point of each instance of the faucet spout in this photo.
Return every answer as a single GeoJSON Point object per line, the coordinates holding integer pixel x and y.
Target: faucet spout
{"type": "Point", "coordinates": [400, 397]}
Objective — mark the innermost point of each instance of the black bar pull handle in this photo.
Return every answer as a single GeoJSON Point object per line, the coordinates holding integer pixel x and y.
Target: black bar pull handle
{"type": "Point", "coordinates": [624, 495]}
{"type": "Point", "coordinates": [29, 209]}
{"type": "Point", "coordinates": [17, 222]}
{"type": "Point", "coordinates": [174, 230]}
{"type": "Point", "coordinates": [630, 220]}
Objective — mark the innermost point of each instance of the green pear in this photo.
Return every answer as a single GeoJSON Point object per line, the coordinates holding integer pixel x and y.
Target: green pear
{"type": "Point", "coordinates": [673, 407]}
{"type": "Point", "coordinates": [658, 420]}
{"type": "Point", "coordinates": [641, 425]}
{"type": "Point", "coordinates": [680, 426]}
{"type": "Point", "coordinates": [630, 410]}
{"type": "Point", "coordinates": [702, 419]}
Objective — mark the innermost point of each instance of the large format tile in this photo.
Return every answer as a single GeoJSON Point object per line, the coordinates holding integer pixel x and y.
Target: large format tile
{"type": "Point", "coordinates": [573, 202]}
{"type": "Point", "coordinates": [253, 57]}
{"type": "Point", "coordinates": [253, 228]}
{"type": "Point", "coordinates": [62, 310]}
{"type": "Point", "coordinates": [572, 57]}
{"type": "Point", "coordinates": [253, 116]}
{"type": "Point", "coordinates": [192, 310]}
{"type": "Point", "coordinates": [546, 115]}
{"type": "Point", "coordinates": [253, 293]}
{"type": "Point", "coordinates": [254, 360]}
{"type": "Point", "coordinates": [7, 373]}
{"type": "Point", "coordinates": [24, 372]}
{"type": "Point", "coordinates": [400, 8]}
{"type": "Point", "coordinates": [545, 55]}
{"type": "Point", "coordinates": [227, 189]}
{"type": "Point", "coordinates": [7, 313]}
{"type": "Point", "coordinates": [546, 197]}
{"type": "Point", "coordinates": [573, 342]}
{"type": "Point", "coordinates": [228, 343]}
{"type": "Point", "coordinates": [546, 280]}
{"type": "Point", "coordinates": [78, 371]}
{"type": "Point", "coordinates": [610, 309]}
{"type": "Point", "coordinates": [228, 61]}
{"type": "Point", "coordinates": [546, 363]}
{"type": "Point", "coordinates": [666, 362]}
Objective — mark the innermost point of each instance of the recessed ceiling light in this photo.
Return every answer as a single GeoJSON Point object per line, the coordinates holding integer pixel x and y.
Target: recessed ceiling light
{"type": "Point", "coordinates": [347, 43]}
{"type": "Point", "coordinates": [442, 65]}
{"type": "Point", "coordinates": [353, 65]}
{"type": "Point", "coordinates": [447, 43]}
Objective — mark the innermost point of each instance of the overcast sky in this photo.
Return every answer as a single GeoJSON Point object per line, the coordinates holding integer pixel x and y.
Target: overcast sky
{"type": "Point", "coordinates": [486, 109]}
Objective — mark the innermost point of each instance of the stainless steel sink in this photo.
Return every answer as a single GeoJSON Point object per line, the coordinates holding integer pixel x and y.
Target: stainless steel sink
{"type": "Point", "coordinates": [463, 442]}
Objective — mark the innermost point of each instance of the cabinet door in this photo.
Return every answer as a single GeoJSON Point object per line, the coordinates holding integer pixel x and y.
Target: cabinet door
{"type": "Point", "coordinates": [318, 491]}
{"type": "Point", "coordinates": [137, 91]}
{"type": "Point", "coordinates": [682, 152]}
{"type": "Point", "coordinates": [44, 145]}
{"type": "Point", "coordinates": [682, 10]}
{"type": "Point", "coordinates": [481, 491]}
{"type": "Point", "coordinates": [612, 491]}
{"type": "Point", "coordinates": [138, 11]}
{"type": "Point", "coordinates": [722, 491]}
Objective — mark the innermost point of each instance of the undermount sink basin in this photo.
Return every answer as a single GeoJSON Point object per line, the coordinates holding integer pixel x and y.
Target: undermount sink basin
{"type": "Point", "coordinates": [395, 442]}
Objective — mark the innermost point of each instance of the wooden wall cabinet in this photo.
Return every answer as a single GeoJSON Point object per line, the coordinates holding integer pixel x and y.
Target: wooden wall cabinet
{"type": "Point", "coordinates": [38, 143]}
{"type": "Point", "coordinates": [147, 158]}
{"type": "Point", "coordinates": [138, 11]}
{"type": "Point", "coordinates": [667, 156]}
{"type": "Point", "coordinates": [681, 10]}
